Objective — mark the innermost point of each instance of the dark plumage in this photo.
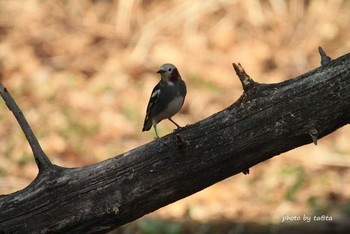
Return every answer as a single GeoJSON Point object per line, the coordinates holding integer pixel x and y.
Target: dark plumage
{"type": "Point", "coordinates": [166, 99]}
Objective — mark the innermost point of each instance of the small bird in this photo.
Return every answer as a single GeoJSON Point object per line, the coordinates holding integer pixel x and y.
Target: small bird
{"type": "Point", "coordinates": [166, 99]}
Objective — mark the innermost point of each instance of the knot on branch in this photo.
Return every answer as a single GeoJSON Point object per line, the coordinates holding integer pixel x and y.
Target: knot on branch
{"type": "Point", "coordinates": [325, 59]}
{"type": "Point", "coordinates": [180, 142]}
{"type": "Point", "coordinates": [247, 82]}
{"type": "Point", "coordinates": [314, 135]}
{"type": "Point", "coordinates": [246, 171]}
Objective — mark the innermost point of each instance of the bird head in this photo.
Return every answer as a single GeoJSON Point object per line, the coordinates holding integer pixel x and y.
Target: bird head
{"type": "Point", "coordinates": [168, 72]}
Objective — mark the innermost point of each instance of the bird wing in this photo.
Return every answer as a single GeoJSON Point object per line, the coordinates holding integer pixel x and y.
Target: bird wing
{"type": "Point", "coordinates": [152, 101]}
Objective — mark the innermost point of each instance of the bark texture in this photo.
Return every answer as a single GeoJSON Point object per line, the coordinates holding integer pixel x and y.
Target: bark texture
{"type": "Point", "coordinates": [268, 119]}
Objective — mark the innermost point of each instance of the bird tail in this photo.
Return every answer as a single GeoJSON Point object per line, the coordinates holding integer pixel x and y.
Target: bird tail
{"type": "Point", "coordinates": [147, 124]}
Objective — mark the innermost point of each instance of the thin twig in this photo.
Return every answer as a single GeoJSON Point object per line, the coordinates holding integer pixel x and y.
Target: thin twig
{"type": "Point", "coordinates": [41, 159]}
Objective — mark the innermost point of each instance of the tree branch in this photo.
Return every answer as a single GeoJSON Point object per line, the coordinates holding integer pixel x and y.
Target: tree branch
{"type": "Point", "coordinates": [41, 159]}
{"type": "Point", "coordinates": [269, 120]}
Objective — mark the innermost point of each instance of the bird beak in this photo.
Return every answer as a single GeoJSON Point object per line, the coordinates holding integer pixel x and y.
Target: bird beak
{"type": "Point", "coordinates": [160, 71]}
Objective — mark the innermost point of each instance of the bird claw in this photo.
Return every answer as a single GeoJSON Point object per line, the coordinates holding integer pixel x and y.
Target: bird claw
{"type": "Point", "coordinates": [161, 141]}
{"type": "Point", "coordinates": [179, 128]}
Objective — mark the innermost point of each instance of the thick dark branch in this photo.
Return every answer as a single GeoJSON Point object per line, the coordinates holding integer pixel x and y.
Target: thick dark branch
{"type": "Point", "coordinates": [273, 119]}
{"type": "Point", "coordinates": [41, 159]}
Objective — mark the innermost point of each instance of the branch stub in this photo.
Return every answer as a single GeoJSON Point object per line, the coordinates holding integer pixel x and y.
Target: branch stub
{"type": "Point", "coordinates": [247, 82]}
{"type": "Point", "coordinates": [325, 59]}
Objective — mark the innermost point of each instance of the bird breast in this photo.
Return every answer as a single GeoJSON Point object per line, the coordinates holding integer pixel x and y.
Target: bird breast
{"type": "Point", "coordinates": [173, 107]}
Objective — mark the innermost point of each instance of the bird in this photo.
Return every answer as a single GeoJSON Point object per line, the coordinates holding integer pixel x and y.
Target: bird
{"type": "Point", "coordinates": [167, 98]}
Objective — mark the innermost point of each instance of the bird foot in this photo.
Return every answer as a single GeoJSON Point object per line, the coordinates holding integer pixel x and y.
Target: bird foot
{"type": "Point", "coordinates": [161, 141]}
{"type": "Point", "coordinates": [179, 128]}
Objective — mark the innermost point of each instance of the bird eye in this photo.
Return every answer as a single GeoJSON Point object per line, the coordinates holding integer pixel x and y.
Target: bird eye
{"type": "Point", "coordinates": [169, 69]}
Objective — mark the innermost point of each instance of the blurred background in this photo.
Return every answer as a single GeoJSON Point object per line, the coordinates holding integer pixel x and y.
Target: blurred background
{"type": "Point", "coordinates": [82, 72]}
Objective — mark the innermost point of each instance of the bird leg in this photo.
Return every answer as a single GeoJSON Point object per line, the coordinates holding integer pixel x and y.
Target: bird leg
{"type": "Point", "coordinates": [157, 137]}
{"type": "Point", "coordinates": [178, 126]}
{"type": "Point", "coordinates": [155, 129]}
